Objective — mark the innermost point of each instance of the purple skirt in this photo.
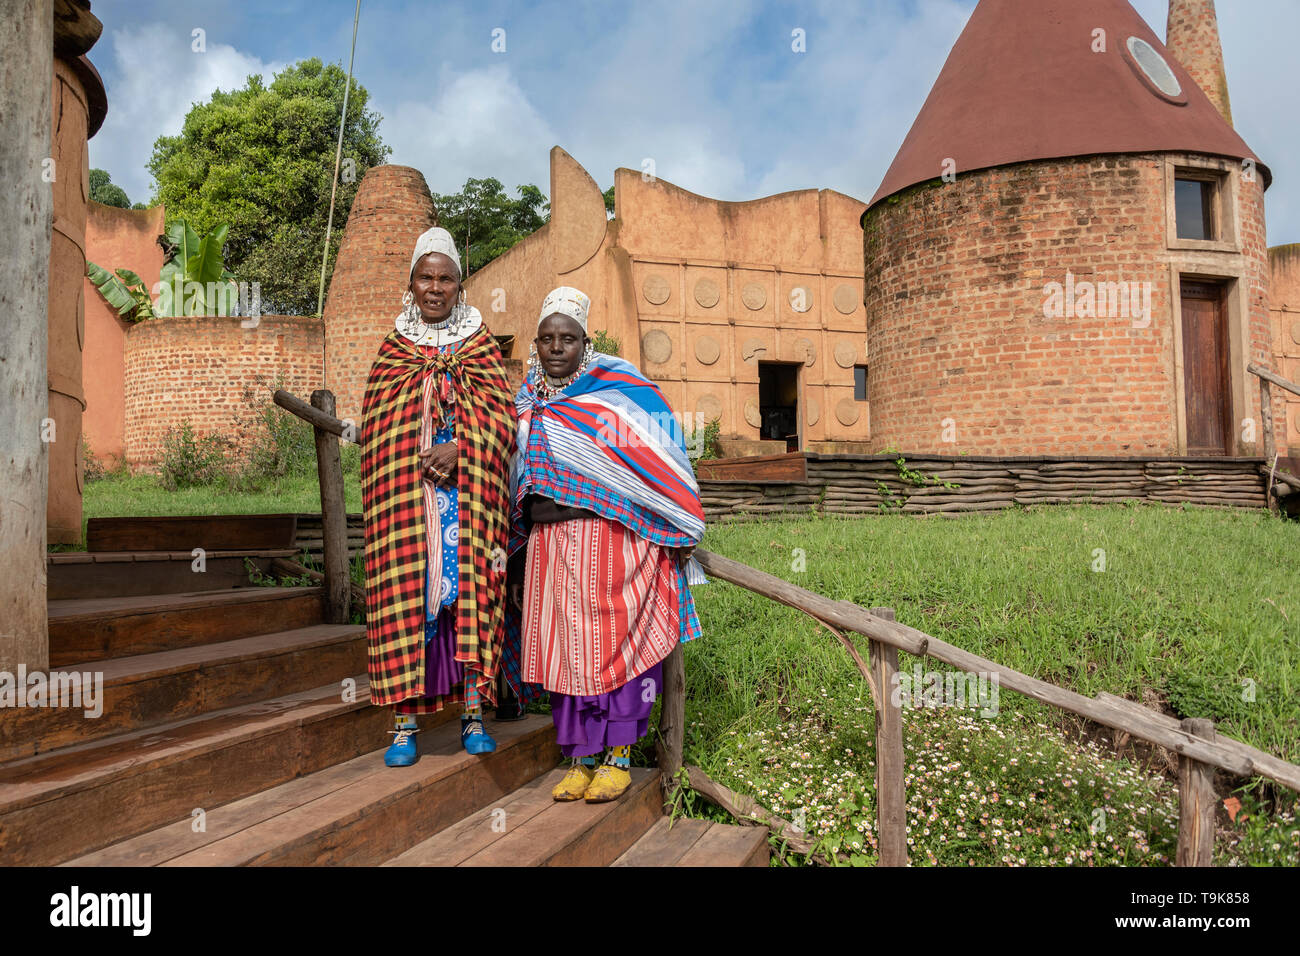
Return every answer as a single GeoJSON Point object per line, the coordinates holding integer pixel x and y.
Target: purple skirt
{"type": "Point", "coordinates": [586, 725]}
{"type": "Point", "coordinates": [441, 669]}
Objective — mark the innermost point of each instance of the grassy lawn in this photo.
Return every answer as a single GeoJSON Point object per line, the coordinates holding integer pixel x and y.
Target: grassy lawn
{"type": "Point", "coordinates": [1193, 611]}
{"type": "Point", "coordinates": [1197, 611]}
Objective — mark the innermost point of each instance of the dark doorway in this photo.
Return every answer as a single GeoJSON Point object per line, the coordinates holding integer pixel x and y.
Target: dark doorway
{"type": "Point", "coordinates": [1205, 369]}
{"type": "Point", "coordinates": [778, 403]}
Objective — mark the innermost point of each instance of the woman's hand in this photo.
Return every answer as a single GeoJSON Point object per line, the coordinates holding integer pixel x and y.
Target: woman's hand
{"type": "Point", "coordinates": [517, 594]}
{"type": "Point", "coordinates": [438, 463]}
{"type": "Point", "coordinates": [682, 555]}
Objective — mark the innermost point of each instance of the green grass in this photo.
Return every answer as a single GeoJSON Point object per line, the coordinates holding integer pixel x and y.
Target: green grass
{"type": "Point", "coordinates": [1190, 605]}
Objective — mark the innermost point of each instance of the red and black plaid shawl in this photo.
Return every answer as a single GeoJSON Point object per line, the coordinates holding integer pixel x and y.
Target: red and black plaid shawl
{"type": "Point", "coordinates": [394, 513]}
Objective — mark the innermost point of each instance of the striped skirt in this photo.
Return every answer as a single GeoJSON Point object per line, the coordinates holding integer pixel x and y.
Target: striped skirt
{"type": "Point", "coordinates": [600, 606]}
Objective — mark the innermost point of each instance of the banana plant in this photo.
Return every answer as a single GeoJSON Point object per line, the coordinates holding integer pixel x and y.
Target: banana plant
{"type": "Point", "coordinates": [192, 281]}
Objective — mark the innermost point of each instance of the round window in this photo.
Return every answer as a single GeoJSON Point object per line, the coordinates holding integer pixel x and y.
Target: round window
{"type": "Point", "coordinates": [1154, 67]}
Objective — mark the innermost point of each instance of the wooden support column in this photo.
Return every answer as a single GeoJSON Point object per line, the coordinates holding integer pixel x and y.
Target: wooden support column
{"type": "Point", "coordinates": [334, 516]}
{"type": "Point", "coordinates": [672, 720]}
{"type": "Point", "coordinates": [891, 795]}
{"type": "Point", "coordinates": [1196, 801]}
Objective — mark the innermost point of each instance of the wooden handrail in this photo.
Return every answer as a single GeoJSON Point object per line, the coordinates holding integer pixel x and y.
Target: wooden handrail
{"type": "Point", "coordinates": [1273, 377]}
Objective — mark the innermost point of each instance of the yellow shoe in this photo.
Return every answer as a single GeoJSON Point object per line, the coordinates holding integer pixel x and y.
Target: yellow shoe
{"type": "Point", "coordinates": [608, 784]}
{"type": "Point", "coordinates": [574, 784]}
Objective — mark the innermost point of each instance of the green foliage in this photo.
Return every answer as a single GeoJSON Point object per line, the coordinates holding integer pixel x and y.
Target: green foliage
{"type": "Point", "coordinates": [603, 342]}
{"type": "Point", "coordinates": [608, 196]}
{"type": "Point", "coordinates": [194, 267]}
{"type": "Point", "coordinates": [1218, 697]}
{"type": "Point", "coordinates": [279, 443]}
{"type": "Point", "coordinates": [261, 159]}
{"type": "Point", "coordinates": [188, 461]}
{"type": "Point", "coordinates": [705, 442]}
{"type": "Point", "coordinates": [103, 191]}
{"type": "Point", "coordinates": [485, 222]}
{"type": "Point", "coordinates": [125, 292]}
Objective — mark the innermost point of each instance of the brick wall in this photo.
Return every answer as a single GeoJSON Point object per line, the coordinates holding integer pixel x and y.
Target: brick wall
{"type": "Point", "coordinates": [392, 207]}
{"type": "Point", "coordinates": [1192, 36]}
{"type": "Point", "coordinates": [955, 278]}
{"type": "Point", "coordinates": [196, 368]}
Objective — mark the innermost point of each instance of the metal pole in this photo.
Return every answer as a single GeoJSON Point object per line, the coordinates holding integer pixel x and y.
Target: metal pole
{"type": "Point", "coordinates": [338, 157]}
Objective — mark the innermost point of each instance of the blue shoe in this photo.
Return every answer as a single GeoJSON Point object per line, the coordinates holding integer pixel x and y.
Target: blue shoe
{"type": "Point", "coordinates": [475, 738]}
{"type": "Point", "coordinates": [402, 753]}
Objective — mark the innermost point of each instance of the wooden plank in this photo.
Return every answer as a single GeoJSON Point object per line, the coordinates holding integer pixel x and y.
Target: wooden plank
{"type": "Point", "coordinates": [580, 833]}
{"type": "Point", "coordinates": [790, 468]}
{"type": "Point", "coordinates": [891, 792]}
{"type": "Point", "coordinates": [458, 842]}
{"type": "Point", "coordinates": [186, 532]}
{"type": "Point", "coordinates": [391, 808]}
{"type": "Point", "coordinates": [670, 741]}
{"type": "Point", "coordinates": [727, 845]}
{"type": "Point", "coordinates": [334, 519]}
{"type": "Point", "coordinates": [664, 843]}
{"type": "Point", "coordinates": [1196, 802]}
{"type": "Point", "coordinates": [95, 629]}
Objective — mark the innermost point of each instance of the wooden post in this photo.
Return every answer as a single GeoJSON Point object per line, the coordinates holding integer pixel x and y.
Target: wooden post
{"type": "Point", "coordinates": [891, 795]}
{"type": "Point", "coordinates": [334, 516]}
{"type": "Point", "coordinates": [1266, 419]}
{"type": "Point", "coordinates": [1196, 801]}
{"type": "Point", "coordinates": [672, 720]}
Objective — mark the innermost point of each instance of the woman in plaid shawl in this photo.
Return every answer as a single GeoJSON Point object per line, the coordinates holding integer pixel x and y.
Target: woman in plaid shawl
{"type": "Point", "coordinates": [437, 438]}
{"type": "Point", "coordinates": [605, 507]}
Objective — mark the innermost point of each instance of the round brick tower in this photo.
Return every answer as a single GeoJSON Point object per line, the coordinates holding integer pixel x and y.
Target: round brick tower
{"type": "Point", "coordinates": [392, 207]}
{"type": "Point", "coordinates": [1033, 281]}
{"type": "Point", "coordinates": [1192, 36]}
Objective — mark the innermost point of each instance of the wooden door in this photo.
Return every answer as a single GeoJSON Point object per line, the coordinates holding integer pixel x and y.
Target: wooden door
{"type": "Point", "coordinates": [1205, 370]}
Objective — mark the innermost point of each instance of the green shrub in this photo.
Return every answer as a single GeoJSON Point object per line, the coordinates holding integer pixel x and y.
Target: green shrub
{"type": "Point", "coordinates": [189, 462]}
{"type": "Point", "coordinates": [276, 442]}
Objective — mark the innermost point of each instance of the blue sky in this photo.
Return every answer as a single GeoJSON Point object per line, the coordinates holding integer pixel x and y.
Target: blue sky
{"type": "Point", "coordinates": [711, 91]}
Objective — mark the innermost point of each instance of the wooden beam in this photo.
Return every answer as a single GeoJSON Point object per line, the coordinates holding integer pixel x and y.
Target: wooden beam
{"type": "Point", "coordinates": [315, 416]}
{"type": "Point", "coordinates": [891, 793]}
{"type": "Point", "coordinates": [334, 514]}
{"type": "Point", "coordinates": [1196, 802]}
{"type": "Point", "coordinates": [672, 720]}
{"type": "Point", "coordinates": [1276, 379]}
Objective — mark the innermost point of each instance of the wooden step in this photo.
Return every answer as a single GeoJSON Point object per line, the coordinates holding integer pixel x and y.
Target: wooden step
{"type": "Point", "coordinates": [355, 813]}
{"type": "Point", "coordinates": [686, 842]}
{"type": "Point", "coordinates": [92, 574]}
{"type": "Point", "coordinates": [77, 799]}
{"type": "Point", "coordinates": [151, 689]}
{"type": "Point", "coordinates": [96, 629]}
{"type": "Point", "coordinates": [528, 828]}
{"type": "Point", "coordinates": [187, 532]}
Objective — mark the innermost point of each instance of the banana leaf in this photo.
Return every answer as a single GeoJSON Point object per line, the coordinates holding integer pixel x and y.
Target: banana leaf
{"type": "Point", "coordinates": [111, 288]}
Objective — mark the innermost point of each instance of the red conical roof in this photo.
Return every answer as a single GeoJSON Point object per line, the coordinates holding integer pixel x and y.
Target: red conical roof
{"type": "Point", "coordinates": [1022, 83]}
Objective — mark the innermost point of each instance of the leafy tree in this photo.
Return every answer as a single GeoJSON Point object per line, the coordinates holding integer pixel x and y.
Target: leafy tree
{"type": "Point", "coordinates": [609, 200]}
{"type": "Point", "coordinates": [261, 159]}
{"type": "Point", "coordinates": [103, 191]}
{"type": "Point", "coordinates": [486, 222]}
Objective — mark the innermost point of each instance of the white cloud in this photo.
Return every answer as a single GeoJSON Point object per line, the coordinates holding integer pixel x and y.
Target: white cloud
{"type": "Point", "coordinates": [157, 79]}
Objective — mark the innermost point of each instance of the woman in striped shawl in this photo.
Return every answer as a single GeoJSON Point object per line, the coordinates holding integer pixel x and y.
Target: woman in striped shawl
{"type": "Point", "coordinates": [606, 509]}
{"type": "Point", "coordinates": [437, 437]}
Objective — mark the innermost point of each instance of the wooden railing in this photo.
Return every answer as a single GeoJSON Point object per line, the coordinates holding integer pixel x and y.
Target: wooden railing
{"type": "Point", "coordinates": [1194, 740]}
{"type": "Point", "coordinates": [1267, 378]}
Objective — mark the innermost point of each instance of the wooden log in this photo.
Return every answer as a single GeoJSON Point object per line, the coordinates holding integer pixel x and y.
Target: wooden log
{"type": "Point", "coordinates": [283, 567]}
{"type": "Point", "coordinates": [318, 418]}
{"type": "Point", "coordinates": [891, 794]}
{"type": "Point", "coordinates": [672, 720]}
{"type": "Point", "coordinates": [1276, 379]}
{"type": "Point", "coordinates": [334, 513]}
{"type": "Point", "coordinates": [748, 811]}
{"type": "Point", "coordinates": [1196, 802]}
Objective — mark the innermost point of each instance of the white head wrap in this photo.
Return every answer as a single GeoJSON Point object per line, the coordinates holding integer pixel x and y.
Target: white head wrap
{"type": "Point", "coordinates": [569, 301]}
{"type": "Point", "coordinates": [436, 239]}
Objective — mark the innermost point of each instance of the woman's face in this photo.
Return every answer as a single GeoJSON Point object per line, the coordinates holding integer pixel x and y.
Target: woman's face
{"type": "Point", "coordinates": [435, 286]}
{"type": "Point", "coordinates": [560, 342]}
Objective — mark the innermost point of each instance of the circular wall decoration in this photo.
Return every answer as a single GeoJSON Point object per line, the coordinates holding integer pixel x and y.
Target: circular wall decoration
{"type": "Point", "coordinates": [1154, 67]}
{"type": "Point", "coordinates": [805, 351]}
{"type": "Point", "coordinates": [656, 290]}
{"type": "Point", "coordinates": [812, 411]}
{"type": "Point", "coordinates": [754, 296]}
{"type": "Point", "coordinates": [801, 299]}
{"type": "Point", "coordinates": [846, 299]}
{"type": "Point", "coordinates": [706, 293]}
{"type": "Point", "coordinates": [707, 349]}
{"type": "Point", "coordinates": [1295, 331]}
{"type": "Point", "coordinates": [847, 411]}
{"type": "Point", "coordinates": [753, 350]}
{"type": "Point", "coordinates": [752, 415]}
{"type": "Point", "coordinates": [708, 409]}
{"type": "Point", "coordinates": [845, 354]}
{"type": "Point", "coordinates": [657, 347]}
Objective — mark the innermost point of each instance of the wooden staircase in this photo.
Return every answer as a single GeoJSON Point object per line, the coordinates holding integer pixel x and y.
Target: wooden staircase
{"type": "Point", "coordinates": [236, 729]}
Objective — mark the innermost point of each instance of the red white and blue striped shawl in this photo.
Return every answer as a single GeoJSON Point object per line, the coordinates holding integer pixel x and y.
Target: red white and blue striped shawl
{"type": "Point", "coordinates": [610, 443]}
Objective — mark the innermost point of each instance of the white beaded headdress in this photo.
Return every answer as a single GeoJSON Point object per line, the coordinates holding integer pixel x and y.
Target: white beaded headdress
{"type": "Point", "coordinates": [569, 301]}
